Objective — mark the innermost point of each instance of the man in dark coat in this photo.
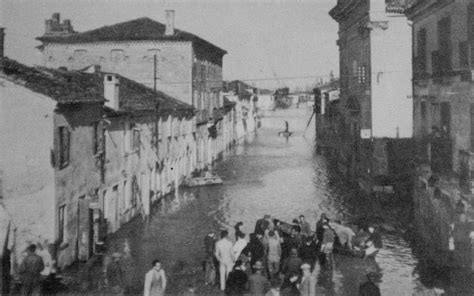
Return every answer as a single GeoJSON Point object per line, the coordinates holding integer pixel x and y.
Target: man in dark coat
{"type": "Point", "coordinates": [369, 288]}
{"type": "Point", "coordinates": [320, 227]}
{"type": "Point", "coordinates": [114, 275]}
{"type": "Point", "coordinates": [258, 283]}
{"type": "Point", "coordinates": [262, 224]}
{"type": "Point", "coordinates": [30, 272]}
{"type": "Point", "coordinates": [292, 264]}
{"type": "Point", "coordinates": [209, 253]}
{"type": "Point", "coordinates": [237, 281]}
{"type": "Point", "coordinates": [255, 249]}
{"type": "Point", "coordinates": [309, 251]}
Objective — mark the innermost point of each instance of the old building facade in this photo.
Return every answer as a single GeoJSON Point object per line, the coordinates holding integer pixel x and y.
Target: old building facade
{"type": "Point", "coordinates": [443, 34]}
{"type": "Point", "coordinates": [90, 166]}
{"type": "Point", "coordinates": [36, 154]}
{"type": "Point", "coordinates": [154, 54]}
{"type": "Point", "coordinates": [374, 118]}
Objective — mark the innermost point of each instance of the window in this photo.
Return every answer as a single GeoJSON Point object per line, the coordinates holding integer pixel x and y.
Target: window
{"type": "Point", "coordinates": [135, 191]}
{"type": "Point", "coordinates": [61, 224]}
{"type": "Point", "coordinates": [95, 137]}
{"type": "Point", "coordinates": [463, 55]}
{"type": "Point", "coordinates": [136, 140]}
{"type": "Point", "coordinates": [421, 51]}
{"type": "Point", "coordinates": [444, 43]}
{"type": "Point", "coordinates": [470, 28]}
{"type": "Point", "coordinates": [117, 55]}
{"type": "Point", "coordinates": [63, 146]}
{"type": "Point", "coordinates": [423, 110]}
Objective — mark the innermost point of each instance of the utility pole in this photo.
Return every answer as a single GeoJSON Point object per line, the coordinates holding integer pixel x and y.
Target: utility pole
{"type": "Point", "coordinates": [154, 73]}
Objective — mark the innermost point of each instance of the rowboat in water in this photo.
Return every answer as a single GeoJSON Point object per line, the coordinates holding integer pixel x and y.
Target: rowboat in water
{"type": "Point", "coordinates": [203, 181]}
{"type": "Point", "coordinates": [368, 252]}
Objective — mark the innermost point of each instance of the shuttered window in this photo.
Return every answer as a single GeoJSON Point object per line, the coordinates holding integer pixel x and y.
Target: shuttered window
{"type": "Point", "coordinates": [63, 146]}
{"type": "Point", "coordinates": [444, 43]}
{"type": "Point", "coordinates": [421, 50]}
{"type": "Point", "coordinates": [463, 55]}
{"type": "Point", "coordinates": [470, 28]}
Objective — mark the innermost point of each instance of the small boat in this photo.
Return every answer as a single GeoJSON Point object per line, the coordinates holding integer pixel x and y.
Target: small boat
{"type": "Point", "coordinates": [203, 181]}
{"type": "Point", "coordinates": [285, 134]}
{"type": "Point", "coordinates": [338, 249]}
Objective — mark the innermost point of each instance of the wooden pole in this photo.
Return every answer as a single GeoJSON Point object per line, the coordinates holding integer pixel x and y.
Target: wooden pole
{"type": "Point", "coordinates": [154, 73]}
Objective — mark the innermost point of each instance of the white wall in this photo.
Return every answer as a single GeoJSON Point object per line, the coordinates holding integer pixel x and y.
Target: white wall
{"type": "Point", "coordinates": [26, 131]}
{"type": "Point", "coordinates": [391, 86]}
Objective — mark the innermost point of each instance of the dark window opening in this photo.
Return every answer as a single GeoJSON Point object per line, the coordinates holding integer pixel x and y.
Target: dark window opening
{"type": "Point", "coordinates": [64, 146]}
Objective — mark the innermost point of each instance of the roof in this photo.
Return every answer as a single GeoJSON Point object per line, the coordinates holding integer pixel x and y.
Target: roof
{"type": "Point", "coordinates": [135, 97]}
{"type": "Point", "coordinates": [134, 30]}
{"type": "Point", "coordinates": [240, 88]}
{"type": "Point", "coordinates": [62, 86]}
{"type": "Point", "coordinates": [72, 87]}
{"type": "Point", "coordinates": [344, 8]}
{"type": "Point", "coordinates": [264, 92]}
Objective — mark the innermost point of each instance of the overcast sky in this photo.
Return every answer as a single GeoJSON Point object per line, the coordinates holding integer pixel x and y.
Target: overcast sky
{"type": "Point", "coordinates": [264, 39]}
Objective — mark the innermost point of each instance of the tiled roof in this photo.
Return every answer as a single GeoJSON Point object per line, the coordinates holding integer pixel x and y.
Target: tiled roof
{"type": "Point", "coordinates": [71, 87]}
{"type": "Point", "coordinates": [62, 86]}
{"type": "Point", "coordinates": [135, 97]}
{"type": "Point", "coordinates": [135, 30]}
{"type": "Point", "coordinates": [264, 91]}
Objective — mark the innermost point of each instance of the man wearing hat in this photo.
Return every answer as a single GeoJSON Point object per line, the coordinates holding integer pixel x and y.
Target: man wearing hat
{"type": "Point", "coordinates": [114, 275]}
{"type": "Point", "coordinates": [369, 288]}
{"type": "Point", "coordinates": [307, 287]}
{"type": "Point", "coordinates": [262, 224]}
{"type": "Point", "coordinates": [258, 283]}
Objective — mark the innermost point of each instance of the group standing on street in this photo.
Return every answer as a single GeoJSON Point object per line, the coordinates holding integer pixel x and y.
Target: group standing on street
{"type": "Point", "coordinates": [280, 258]}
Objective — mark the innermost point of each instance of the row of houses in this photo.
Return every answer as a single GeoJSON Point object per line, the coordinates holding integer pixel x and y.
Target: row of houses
{"type": "Point", "coordinates": [403, 120]}
{"type": "Point", "coordinates": [114, 120]}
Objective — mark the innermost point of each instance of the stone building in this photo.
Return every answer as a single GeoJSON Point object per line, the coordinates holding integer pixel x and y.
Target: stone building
{"type": "Point", "coordinates": [443, 58]}
{"type": "Point", "coordinates": [88, 166]}
{"type": "Point", "coordinates": [374, 118]}
{"type": "Point", "coordinates": [46, 134]}
{"type": "Point", "coordinates": [245, 99]}
{"type": "Point", "coordinates": [157, 55]}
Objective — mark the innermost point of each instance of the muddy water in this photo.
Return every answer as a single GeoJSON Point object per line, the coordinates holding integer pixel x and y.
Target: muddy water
{"type": "Point", "coordinates": [278, 176]}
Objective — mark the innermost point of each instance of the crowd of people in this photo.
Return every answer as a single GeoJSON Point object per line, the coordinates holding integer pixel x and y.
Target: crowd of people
{"type": "Point", "coordinates": [279, 258]}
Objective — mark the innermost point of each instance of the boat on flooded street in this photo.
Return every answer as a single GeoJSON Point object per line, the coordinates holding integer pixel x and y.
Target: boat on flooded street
{"type": "Point", "coordinates": [286, 179]}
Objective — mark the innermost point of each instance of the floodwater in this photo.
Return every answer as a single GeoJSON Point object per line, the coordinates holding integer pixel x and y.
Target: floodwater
{"type": "Point", "coordinates": [285, 178]}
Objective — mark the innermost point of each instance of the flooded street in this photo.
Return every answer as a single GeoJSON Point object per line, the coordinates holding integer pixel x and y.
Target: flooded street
{"type": "Point", "coordinates": [273, 175]}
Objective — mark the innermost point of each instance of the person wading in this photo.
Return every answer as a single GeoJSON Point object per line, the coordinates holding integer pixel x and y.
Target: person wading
{"type": "Point", "coordinates": [224, 255]}
{"type": "Point", "coordinates": [30, 272]}
{"type": "Point", "coordinates": [114, 275]}
{"type": "Point", "coordinates": [155, 280]}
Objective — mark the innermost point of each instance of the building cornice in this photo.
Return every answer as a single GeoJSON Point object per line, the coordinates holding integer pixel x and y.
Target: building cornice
{"type": "Point", "coordinates": [425, 7]}
{"type": "Point", "coordinates": [100, 43]}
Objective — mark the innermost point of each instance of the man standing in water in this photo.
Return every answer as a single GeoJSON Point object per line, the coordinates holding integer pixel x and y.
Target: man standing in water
{"type": "Point", "coordinates": [30, 272]}
{"type": "Point", "coordinates": [225, 257]}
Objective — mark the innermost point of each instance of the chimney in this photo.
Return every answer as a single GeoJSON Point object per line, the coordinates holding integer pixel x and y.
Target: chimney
{"type": "Point", "coordinates": [111, 91]}
{"type": "Point", "coordinates": [169, 23]}
{"type": "Point", "coordinates": [2, 41]}
{"type": "Point", "coordinates": [56, 17]}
